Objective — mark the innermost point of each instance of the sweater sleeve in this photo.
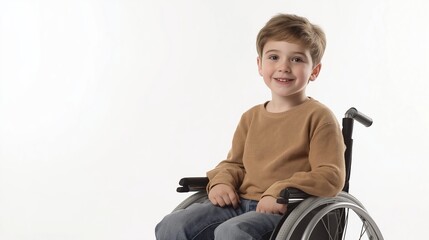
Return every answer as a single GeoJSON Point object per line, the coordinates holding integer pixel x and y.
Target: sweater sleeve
{"type": "Point", "coordinates": [231, 170]}
{"type": "Point", "coordinates": [327, 167]}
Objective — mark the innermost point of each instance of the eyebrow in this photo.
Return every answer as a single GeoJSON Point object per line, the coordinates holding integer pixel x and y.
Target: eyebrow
{"type": "Point", "coordinates": [275, 51]}
{"type": "Point", "coordinates": [271, 50]}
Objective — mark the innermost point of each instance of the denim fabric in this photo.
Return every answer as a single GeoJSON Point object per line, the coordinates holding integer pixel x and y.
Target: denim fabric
{"type": "Point", "coordinates": [205, 221]}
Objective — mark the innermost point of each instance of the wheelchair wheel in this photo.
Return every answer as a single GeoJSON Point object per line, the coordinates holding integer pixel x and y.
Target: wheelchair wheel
{"type": "Point", "coordinates": [341, 217]}
{"type": "Point", "coordinates": [197, 197]}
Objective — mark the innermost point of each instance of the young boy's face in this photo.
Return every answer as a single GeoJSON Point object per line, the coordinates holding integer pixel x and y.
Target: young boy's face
{"type": "Point", "coordinates": [287, 68]}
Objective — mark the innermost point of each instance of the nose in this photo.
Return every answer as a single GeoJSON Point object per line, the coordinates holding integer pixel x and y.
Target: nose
{"type": "Point", "coordinates": [283, 66]}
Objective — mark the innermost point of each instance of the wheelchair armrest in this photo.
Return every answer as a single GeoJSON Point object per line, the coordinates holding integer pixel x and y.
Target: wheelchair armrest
{"type": "Point", "coordinates": [192, 184]}
{"type": "Point", "coordinates": [291, 195]}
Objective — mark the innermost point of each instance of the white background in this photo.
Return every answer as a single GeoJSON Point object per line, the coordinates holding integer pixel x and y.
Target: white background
{"type": "Point", "coordinates": [105, 105]}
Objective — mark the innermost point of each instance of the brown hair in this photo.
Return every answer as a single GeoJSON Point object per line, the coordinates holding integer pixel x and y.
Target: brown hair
{"type": "Point", "coordinates": [294, 29]}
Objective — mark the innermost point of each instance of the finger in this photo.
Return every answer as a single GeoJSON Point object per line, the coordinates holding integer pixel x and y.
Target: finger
{"type": "Point", "coordinates": [220, 201]}
{"type": "Point", "coordinates": [279, 209]}
{"type": "Point", "coordinates": [283, 210]}
{"type": "Point", "coordinates": [213, 200]}
{"type": "Point", "coordinates": [217, 201]}
{"type": "Point", "coordinates": [234, 199]}
{"type": "Point", "coordinates": [226, 200]}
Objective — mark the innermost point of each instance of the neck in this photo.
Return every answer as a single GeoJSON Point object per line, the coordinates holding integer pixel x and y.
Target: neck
{"type": "Point", "coordinates": [280, 104]}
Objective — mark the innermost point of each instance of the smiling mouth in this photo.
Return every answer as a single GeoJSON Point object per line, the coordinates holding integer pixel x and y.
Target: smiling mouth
{"type": "Point", "coordinates": [283, 79]}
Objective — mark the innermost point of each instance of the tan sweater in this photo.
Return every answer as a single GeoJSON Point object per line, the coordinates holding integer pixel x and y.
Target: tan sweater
{"type": "Point", "coordinates": [301, 148]}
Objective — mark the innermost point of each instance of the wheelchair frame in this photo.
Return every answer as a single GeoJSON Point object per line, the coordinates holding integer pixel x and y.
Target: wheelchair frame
{"type": "Point", "coordinates": [325, 218]}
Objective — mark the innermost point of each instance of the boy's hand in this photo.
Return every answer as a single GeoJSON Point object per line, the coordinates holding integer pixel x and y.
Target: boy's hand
{"type": "Point", "coordinates": [223, 195]}
{"type": "Point", "coordinates": [269, 204]}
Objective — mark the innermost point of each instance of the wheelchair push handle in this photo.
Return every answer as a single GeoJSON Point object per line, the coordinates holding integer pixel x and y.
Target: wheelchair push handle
{"type": "Point", "coordinates": [358, 116]}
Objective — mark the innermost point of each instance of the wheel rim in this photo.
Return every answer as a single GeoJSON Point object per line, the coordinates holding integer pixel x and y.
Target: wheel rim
{"type": "Point", "coordinates": [341, 221]}
{"type": "Point", "coordinates": [297, 221]}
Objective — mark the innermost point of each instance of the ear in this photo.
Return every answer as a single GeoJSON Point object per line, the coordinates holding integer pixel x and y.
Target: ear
{"type": "Point", "coordinates": [259, 62]}
{"type": "Point", "coordinates": [315, 72]}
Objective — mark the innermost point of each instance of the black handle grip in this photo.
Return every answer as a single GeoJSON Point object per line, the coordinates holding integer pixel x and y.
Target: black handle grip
{"type": "Point", "coordinates": [192, 184]}
{"type": "Point", "coordinates": [358, 116]}
{"type": "Point", "coordinates": [289, 195]}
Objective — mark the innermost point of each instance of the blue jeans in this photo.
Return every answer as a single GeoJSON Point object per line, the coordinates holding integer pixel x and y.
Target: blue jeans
{"type": "Point", "coordinates": [206, 221]}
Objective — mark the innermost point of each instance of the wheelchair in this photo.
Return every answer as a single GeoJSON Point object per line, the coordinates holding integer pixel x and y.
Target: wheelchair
{"type": "Point", "coordinates": [310, 217]}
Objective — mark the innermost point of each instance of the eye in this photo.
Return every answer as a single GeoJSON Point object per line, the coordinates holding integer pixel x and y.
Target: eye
{"type": "Point", "coordinates": [296, 59]}
{"type": "Point", "coordinates": [273, 57]}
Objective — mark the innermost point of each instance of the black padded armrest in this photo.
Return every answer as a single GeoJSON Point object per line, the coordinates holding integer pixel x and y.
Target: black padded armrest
{"type": "Point", "coordinates": [188, 184]}
{"type": "Point", "coordinates": [290, 195]}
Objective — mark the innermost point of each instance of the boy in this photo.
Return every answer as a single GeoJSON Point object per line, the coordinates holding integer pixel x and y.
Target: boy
{"type": "Point", "coordinates": [290, 141]}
